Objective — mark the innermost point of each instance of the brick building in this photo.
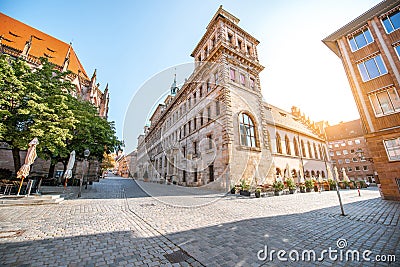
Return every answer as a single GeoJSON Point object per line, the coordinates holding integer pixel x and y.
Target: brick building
{"type": "Point", "coordinates": [20, 40]}
{"type": "Point", "coordinates": [348, 149]}
{"type": "Point", "coordinates": [369, 47]}
{"type": "Point", "coordinates": [216, 129]}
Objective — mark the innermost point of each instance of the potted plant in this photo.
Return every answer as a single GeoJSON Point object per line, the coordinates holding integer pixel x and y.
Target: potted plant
{"type": "Point", "coordinates": [291, 185]}
{"type": "Point", "coordinates": [346, 184]}
{"type": "Point", "coordinates": [326, 185]}
{"type": "Point", "coordinates": [302, 188]}
{"type": "Point", "coordinates": [278, 187]}
{"type": "Point", "coordinates": [316, 186]}
{"type": "Point", "coordinates": [332, 184]}
{"type": "Point", "coordinates": [352, 184]}
{"type": "Point", "coordinates": [244, 191]}
{"type": "Point", "coordinates": [363, 184]}
{"type": "Point", "coordinates": [233, 190]}
{"type": "Point", "coordinates": [309, 185]}
{"type": "Point", "coordinates": [258, 192]}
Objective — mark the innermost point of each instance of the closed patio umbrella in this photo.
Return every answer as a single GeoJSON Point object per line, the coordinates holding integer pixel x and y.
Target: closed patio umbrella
{"type": "Point", "coordinates": [29, 159]}
{"type": "Point", "coordinates": [70, 166]}
{"type": "Point", "coordinates": [345, 177]}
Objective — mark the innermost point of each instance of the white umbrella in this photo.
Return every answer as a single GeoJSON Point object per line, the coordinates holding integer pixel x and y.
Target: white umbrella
{"type": "Point", "coordinates": [336, 173]}
{"type": "Point", "coordinates": [345, 177]}
{"type": "Point", "coordinates": [29, 159]}
{"type": "Point", "coordinates": [320, 178]}
{"type": "Point", "coordinates": [287, 171]}
{"type": "Point", "coordinates": [70, 166]}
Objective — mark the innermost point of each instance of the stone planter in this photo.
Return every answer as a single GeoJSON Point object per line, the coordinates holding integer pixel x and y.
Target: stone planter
{"type": "Point", "coordinates": [257, 194]}
{"type": "Point", "coordinates": [308, 190]}
{"type": "Point", "coordinates": [245, 193]}
{"type": "Point", "coordinates": [278, 193]}
{"type": "Point", "coordinates": [291, 191]}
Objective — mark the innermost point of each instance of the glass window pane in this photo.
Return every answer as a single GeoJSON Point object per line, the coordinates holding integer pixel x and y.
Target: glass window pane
{"type": "Point", "coordinates": [363, 72]}
{"type": "Point", "coordinates": [249, 140]}
{"type": "Point", "coordinates": [375, 105]}
{"type": "Point", "coordinates": [394, 97]}
{"type": "Point", "coordinates": [243, 140]}
{"type": "Point", "coordinates": [387, 25]}
{"type": "Point", "coordinates": [353, 44]}
{"type": "Point", "coordinates": [397, 48]}
{"type": "Point", "coordinates": [380, 64]}
{"type": "Point", "coordinates": [360, 40]}
{"type": "Point", "coordinates": [385, 102]}
{"type": "Point", "coordinates": [395, 18]}
{"type": "Point", "coordinates": [368, 36]}
{"type": "Point", "coordinates": [251, 130]}
{"type": "Point", "coordinates": [372, 69]}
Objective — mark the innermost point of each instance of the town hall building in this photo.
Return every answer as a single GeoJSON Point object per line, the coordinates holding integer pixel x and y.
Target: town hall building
{"type": "Point", "coordinates": [216, 130]}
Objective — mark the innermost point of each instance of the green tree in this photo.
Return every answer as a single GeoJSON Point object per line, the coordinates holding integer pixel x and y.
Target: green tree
{"type": "Point", "coordinates": [91, 132]}
{"type": "Point", "coordinates": [33, 105]}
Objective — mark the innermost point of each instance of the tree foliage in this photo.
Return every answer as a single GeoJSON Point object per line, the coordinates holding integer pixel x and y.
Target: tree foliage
{"type": "Point", "coordinates": [37, 102]}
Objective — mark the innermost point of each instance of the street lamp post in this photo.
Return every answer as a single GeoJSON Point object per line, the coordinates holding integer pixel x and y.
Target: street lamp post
{"type": "Point", "coordinates": [335, 177]}
{"type": "Point", "coordinates": [86, 154]}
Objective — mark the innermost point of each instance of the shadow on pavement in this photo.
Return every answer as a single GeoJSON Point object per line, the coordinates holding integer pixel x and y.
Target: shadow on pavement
{"type": "Point", "coordinates": [228, 244]}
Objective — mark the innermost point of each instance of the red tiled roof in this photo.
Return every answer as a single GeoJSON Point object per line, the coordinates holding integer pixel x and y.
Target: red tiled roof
{"type": "Point", "coordinates": [16, 34]}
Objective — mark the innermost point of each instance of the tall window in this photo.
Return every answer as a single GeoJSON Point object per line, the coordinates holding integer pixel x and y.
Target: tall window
{"type": "Point", "coordinates": [372, 68]}
{"type": "Point", "coordinates": [360, 40]}
{"type": "Point", "coordinates": [232, 75]}
{"type": "Point", "coordinates": [278, 144]}
{"type": "Point", "coordinates": [287, 144]}
{"type": "Point", "coordinates": [216, 77]}
{"type": "Point", "coordinates": [296, 146]}
{"type": "Point", "coordinates": [242, 79]}
{"type": "Point", "coordinates": [315, 151]}
{"type": "Point", "coordinates": [210, 143]}
{"type": "Point", "coordinates": [209, 113]}
{"type": "Point", "coordinates": [247, 131]}
{"type": "Point", "coordinates": [309, 149]}
{"type": "Point", "coordinates": [392, 149]}
{"type": "Point", "coordinates": [303, 149]}
{"type": "Point", "coordinates": [217, 108]}
{"type": "Point", "coordinates": [385, 102]}
{"type": "Point", "coordinates": [208, 86]}
{"type": "Point", "coordinates": [391, 22]}
{"type": "Point", "coordinates": [251, 83]}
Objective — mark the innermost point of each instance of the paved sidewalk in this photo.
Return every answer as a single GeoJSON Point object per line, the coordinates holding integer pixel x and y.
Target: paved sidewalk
{"type": "Point", "coordinates": [116, 223]}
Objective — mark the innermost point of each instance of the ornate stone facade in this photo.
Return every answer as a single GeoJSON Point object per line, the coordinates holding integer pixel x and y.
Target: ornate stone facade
{"type": "Point", "coordinates": [216, 129]}
{"type": "Point", "coordinates": [20, 40]}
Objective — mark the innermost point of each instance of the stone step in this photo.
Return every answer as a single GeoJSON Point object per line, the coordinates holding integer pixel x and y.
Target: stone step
{"type": "Point", "coordinates": [31, 200]}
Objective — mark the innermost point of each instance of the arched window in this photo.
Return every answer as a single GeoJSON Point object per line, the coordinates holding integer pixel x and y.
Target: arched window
{"type": "Point", "coordinates": [315, 151]}
{"type": "Point", "coordinates": [296, 146]}
{"type": "Point", "coordinates": [287, 144]}
{"type": "Point", "coordinates": [303, 149]}
{"type": "Point", "coordinates": [247, 131]}
{"type": "Point", "coordinates": [309, 149]}
{"type": "Point", "coordinates": [278, 144]}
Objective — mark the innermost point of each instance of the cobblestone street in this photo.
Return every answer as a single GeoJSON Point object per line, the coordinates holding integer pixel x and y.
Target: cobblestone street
{"type": "Point", "coordinates": [121, 222]}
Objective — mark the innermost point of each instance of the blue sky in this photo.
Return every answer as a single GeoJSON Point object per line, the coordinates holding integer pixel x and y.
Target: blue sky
{"type": "Point", "coordinates": [130, 41]}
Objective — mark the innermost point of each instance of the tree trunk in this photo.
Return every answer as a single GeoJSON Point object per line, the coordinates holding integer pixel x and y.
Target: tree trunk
{"type": "Point", "coordinates": [16, 158]}
{"type": "Point", "coordinates": [65, 163]}
{"type": "Point", "coordinates": [51, 169]}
